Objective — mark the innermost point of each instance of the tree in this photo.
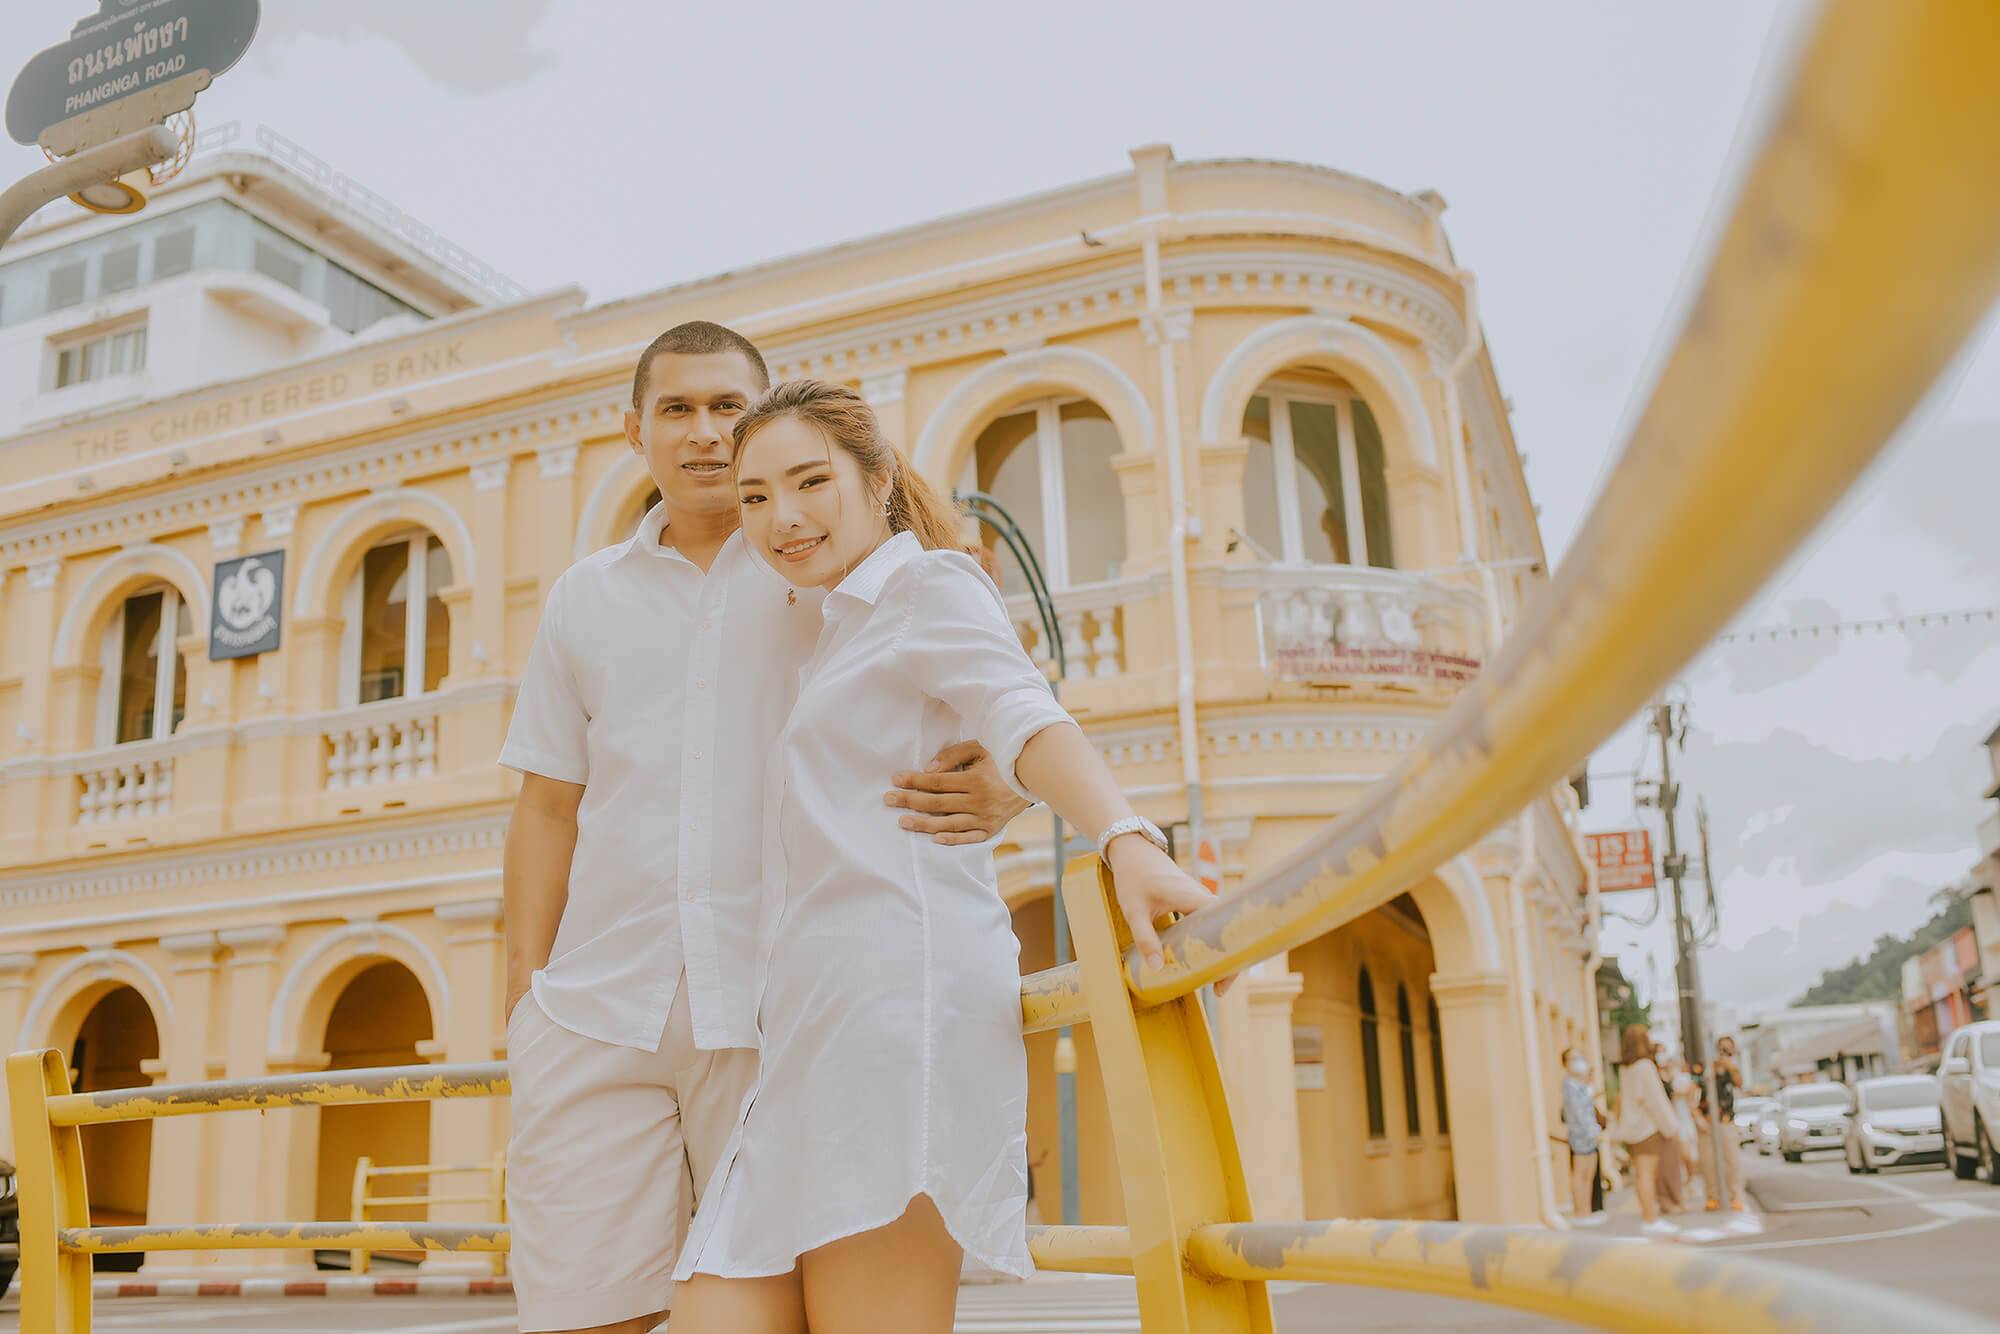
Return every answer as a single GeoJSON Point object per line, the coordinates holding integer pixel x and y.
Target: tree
{"type": "Point", "coordinates": [1879, 976]}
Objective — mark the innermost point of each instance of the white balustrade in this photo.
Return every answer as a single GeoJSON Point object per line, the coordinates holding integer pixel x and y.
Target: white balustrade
{"type": "Point", "coordinates": [127, 791]}
{"type": "Point", "coordinates": [1092, 620]}
{"type": "Point", "coordinates": [1325, 622]}
{"type": "Point", "coordinates": [363, 752]}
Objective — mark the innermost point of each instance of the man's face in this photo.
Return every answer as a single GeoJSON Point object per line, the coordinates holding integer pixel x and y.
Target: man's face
{"type": "Point", "coordinates": [682, 427]}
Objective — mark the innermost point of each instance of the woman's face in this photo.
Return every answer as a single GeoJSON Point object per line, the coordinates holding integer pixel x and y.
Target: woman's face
{"type": "Point", "coordinates": [808, 508]}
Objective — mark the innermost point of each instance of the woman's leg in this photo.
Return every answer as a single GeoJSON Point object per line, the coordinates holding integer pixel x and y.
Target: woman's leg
{"type": "Point", "coordinates": [706, 1304]}
{"type": "Point", "coordinates": [1582, 1167]}
{"type": "Point", "coordinates": [1645, 1179]}
{"type": "Point", "coordinates": [898, 1279]}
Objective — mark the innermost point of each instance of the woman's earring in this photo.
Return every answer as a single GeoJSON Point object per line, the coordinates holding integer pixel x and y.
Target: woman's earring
{"type": "Point", "coordinates": [884, 511]}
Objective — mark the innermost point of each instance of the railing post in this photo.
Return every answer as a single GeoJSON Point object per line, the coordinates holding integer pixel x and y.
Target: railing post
{"type": "Point", "coordinates": [357, 1261]}
{"type": "Point", "coordinates": [1177, 1154]}
{"type": "Point", "coordinates": [55, 1285]}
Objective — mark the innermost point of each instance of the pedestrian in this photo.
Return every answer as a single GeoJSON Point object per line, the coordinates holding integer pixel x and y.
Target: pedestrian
{"type": "Point", "coordinates": [1728, 1077]}
{"type": "Point", "coordinates": [1645, 1124]}
{"type": "Point", "coordinates": [1583, 1122]}
{"type": "Point", "coordinates": [1679, 1151]}
{"type": "Point", "coordinates": [882, 1150]}
{"type": "Point", "coordinates": [660, 674]}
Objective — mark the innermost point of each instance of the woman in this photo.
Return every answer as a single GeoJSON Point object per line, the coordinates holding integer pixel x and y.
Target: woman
{"type": "Point", "coordinates": [1674, 1155]}
{"type": "Point", "coordinates": [1582, 1123]}
{"type": "Point", "coordinates": [886, 1143]}
{"type": "Point", "coordinates": [1646, 1123]}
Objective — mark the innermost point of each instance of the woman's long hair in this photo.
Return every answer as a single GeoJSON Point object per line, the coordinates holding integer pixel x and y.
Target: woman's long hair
{"type": "Point", "coordinates": [846, 420]}
{"type": "Point", "coordinates": [1637, 1045]}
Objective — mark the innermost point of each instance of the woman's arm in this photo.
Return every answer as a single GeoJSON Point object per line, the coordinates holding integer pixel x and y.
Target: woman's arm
{"type": "Point", "coordinates": [1060, 766]}
{"type": "Point", "coordinates": [1653, 1095]}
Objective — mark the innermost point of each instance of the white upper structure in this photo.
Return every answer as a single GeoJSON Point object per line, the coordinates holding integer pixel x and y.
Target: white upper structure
{"type": "Point", "coordinates": [245, 262]}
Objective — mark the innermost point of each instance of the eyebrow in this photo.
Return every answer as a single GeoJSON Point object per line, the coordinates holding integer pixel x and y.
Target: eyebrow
{"type": "Point", "coordinates": [662, 400]}
{"type": "Point", "coordinates": [792, 471]}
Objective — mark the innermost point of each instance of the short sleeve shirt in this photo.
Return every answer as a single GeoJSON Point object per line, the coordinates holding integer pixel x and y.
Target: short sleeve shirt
{"type": "Point", "coordinates": [661, 690]}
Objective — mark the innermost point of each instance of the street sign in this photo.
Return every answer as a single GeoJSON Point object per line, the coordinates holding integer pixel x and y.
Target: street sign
{"type": "Point", "coordinates": [132, 63]}
{"type": "Point", "coordinates": [1624, 859]}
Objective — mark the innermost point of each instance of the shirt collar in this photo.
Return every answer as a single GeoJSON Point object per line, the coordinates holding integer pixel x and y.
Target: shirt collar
{"type": "Point", "coordinates": [864, 582]}
{"type": "Point", "coordinates": [646, 539]}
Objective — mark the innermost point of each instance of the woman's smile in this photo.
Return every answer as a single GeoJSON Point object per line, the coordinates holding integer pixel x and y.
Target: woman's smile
{"type": "Point", "coordinates": [800, 549]}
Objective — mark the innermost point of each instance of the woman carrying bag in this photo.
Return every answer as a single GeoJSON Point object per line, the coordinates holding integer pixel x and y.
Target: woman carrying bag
{"type": "Point", "coordinates": [1645, 1124]}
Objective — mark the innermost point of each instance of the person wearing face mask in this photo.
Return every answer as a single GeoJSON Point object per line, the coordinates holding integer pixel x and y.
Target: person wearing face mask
{"type": "Point", "coordinates": [1583, 1123]}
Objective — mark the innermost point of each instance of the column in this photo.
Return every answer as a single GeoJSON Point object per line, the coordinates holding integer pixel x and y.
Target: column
{"type": "Point", "coordinates": [255, 1145]}
{"type": "Point", "coordinates": [555, 512]}
{"type": "Point", "coordinates": [14, 970]}
{"type": "Point", "coordinates": [1492, 1150]}
{"type": "Point", "coordinates": [1267, 1126]}
{"type": "Point", "coordinates": [38, 631]}
{"type": "Point", "coordinates": [883, 392]}
{"type": "Point", "coordinates": [481, 645]}
{"type": "Point", "coordinates": [465, 1131]}
{"type": "Point", "coordinates": [185, 1148]}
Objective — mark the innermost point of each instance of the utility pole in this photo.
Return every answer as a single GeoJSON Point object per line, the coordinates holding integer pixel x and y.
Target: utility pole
{"type": "Point", "coordinates": [1695, 1039]}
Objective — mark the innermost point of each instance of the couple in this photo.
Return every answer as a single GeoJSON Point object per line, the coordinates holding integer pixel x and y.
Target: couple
{"type": "Point", "coordinates": [734, 973]}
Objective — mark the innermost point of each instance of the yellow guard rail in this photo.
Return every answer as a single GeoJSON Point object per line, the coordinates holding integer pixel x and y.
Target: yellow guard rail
{"type": "Point", "coordinates": [1863, 250]}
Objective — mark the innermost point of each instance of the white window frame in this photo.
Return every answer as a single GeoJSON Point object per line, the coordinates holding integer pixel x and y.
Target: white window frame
{"type": "Point", "coordinates": [166, 666]}
{"type": "Point", "coordinates": [415, 622]}
{"type": "Point", "coordinates": [1284, 467]}
{"type": "Point", "coordinates": [80, 348]}
{"type": "Point", "coordinates": [1054, 554]}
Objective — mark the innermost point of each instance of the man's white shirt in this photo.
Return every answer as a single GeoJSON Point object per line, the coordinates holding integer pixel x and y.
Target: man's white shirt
{"type": "Point", "coordinates": [662, 691]}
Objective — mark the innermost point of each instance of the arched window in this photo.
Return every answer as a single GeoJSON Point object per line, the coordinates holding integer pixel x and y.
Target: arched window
{"type": "Point", "coordinates": [397, 639]}
{"type": "Point", "coordinates": [1053, 458]}
{"type": "Point", "coordinates": [1371, 1060]}
{"type": "Point", "coordinates": [1437, 1069]}
{"type": "Point", "coordinates": [1407, 1036]}
{"type": "Point", "coordinates": [1315, 487]}
{"type": "Point", "coordinates": [142, 694]}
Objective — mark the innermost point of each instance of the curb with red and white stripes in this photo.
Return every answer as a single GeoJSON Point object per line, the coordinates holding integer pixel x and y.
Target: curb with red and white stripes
{"type": "Point", "coordinates": [334, 1285]}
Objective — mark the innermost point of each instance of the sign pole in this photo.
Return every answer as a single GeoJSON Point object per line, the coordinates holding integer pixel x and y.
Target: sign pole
{"type": "Point", "coordinates": [93, 166]}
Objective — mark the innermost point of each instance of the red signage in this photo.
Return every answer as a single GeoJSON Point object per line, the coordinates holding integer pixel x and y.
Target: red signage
{"type": "Point", "coordinates": [1624, 860]}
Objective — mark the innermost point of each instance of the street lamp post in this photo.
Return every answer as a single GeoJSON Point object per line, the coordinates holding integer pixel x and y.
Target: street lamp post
{"type": "Point", "coordinates": [995, 516]}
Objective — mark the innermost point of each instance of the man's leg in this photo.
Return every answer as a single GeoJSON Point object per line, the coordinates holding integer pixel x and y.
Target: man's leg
{"type": "Point", "coordinates": [597, 1194]}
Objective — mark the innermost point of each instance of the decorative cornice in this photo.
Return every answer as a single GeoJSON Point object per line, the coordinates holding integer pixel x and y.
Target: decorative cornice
{"type": "Point", "coordinates": [558, 460]}
{"type": "Point", "coordinates": [193, 942]}
{"type": "Point", "coordinates": [491, 474]}
{"type": "Point", "coordinates": [279, 520]}
{"type": "Point", "coordinates": [252, 865]}
{"type": "Point", "coordinates": [42, 574]}
{"type": "Point", "coordinates": [226, 534]}
{"type": "Point", "coordinates": [885, 386]}
{"type": "Point", "coordinates": [470, 910]}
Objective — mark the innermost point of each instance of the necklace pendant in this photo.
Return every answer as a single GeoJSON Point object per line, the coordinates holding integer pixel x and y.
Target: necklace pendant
{"type": "Point", "coordinates": [791, 597]}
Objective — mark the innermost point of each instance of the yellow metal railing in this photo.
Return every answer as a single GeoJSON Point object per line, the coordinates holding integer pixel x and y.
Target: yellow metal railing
{"type": "Point", "coordinates": [366, 1174]}
{"type": "Point", "coordinates": [1863, 249]}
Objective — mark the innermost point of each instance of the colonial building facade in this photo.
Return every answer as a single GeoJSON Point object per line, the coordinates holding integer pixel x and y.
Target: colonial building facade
{"type": "Point", "coordinates": [287, 481]}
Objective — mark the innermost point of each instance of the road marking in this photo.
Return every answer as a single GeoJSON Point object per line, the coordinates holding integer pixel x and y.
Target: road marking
{"type": "Point", "coordinates": [1933, 1225]}
{"type": "Point", "coordinates": [1959, 1209]}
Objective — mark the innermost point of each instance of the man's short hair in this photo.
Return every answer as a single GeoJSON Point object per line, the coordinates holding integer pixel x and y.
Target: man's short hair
{"type": "Point", "coordinates": [698, 338]}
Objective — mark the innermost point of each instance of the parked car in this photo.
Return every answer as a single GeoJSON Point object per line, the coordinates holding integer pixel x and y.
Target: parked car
{"type": "Point", "coordinates": [1749, 1114]}
{"type": "Point", "coordinates": [1894, 1121]}
{"type": "Point", "coordinates": [1969, 1084]}
{"type": "Point", "coordinates": [1812, 1116]}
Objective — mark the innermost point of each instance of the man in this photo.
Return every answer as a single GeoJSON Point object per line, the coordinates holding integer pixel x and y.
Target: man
{"type": "Point", "coordinates": [661, 674]}
{"type": "Point", "coordinates": [1727, 1079]}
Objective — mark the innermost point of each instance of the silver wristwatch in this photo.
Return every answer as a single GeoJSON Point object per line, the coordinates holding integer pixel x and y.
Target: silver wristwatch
{"type": "Point", "coordinates": [1132, 824]}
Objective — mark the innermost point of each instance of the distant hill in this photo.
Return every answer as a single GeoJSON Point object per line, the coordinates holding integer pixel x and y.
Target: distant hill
{"type": "Point", "coordinates": [1879, 977]}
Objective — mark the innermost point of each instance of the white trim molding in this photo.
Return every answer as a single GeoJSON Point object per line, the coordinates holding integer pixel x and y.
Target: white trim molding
{"type": "Point", "coordinates": [371, 939]}
{"type": "Point", "coordinates": [626, 480]}
{"type": "Point", "coordinates": [149, 558]}
{"type": "Point", "coordinates": [103, 965]}
{"type": "Point", "coordinates": [409, 504]}
{"type": "Point", "coordinates": [1318, 336]}
{"type": "Point", "coordinates": [1027, 374]}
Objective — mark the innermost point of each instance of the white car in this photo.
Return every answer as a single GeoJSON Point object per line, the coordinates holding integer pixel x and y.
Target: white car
{"type": "Point", "coordinates": [1749, 1115]}
{"type": "Point", "coordinates": [1894, 1121]}
{"type": "Point", "coordinates": [1812, 1116]}
{"type": "Point", "coordinates": [1969, 1077]}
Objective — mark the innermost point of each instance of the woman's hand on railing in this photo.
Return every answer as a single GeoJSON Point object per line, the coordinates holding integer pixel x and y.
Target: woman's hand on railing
{"type": "Point", "coordinates": [1150, 886]}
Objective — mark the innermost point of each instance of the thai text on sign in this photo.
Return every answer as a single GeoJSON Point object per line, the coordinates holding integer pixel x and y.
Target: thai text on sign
{"type": "Point", "coordinates": [1624, 859]}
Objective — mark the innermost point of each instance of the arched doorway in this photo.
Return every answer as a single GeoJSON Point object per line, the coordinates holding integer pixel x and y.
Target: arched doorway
{"type": "Point", "coordinates": [378, 1019]}
{"type": "Point", "coordinates": [1374, 1140]}
{"type": "Point", "coordinates": [117, 1036]}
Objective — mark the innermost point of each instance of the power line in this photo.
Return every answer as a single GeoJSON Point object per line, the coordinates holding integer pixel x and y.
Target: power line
{"type": "Point", "coordinates": [1929, 620]}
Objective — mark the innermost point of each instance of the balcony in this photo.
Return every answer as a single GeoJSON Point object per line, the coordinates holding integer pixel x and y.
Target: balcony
{"type": "Point", "coordinates": [131, 790]}
{"type": "Point", "coordinates": [1346, 625]}
{"type": "Point", "coordinates": [397, 744]}
{"type": "Point", "coordinates": [1092, 620]}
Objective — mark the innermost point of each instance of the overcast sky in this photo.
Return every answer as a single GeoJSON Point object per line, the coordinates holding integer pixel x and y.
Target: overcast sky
{"type": "Point", "coordinates": [621, 145]}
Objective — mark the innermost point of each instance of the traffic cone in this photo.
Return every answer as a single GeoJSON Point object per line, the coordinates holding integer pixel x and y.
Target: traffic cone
{"type": "Point", "coordinates": [1208, 868]}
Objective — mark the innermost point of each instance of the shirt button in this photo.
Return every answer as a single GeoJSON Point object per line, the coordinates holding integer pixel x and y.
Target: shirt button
{"type": "Point", "coordinates": [697, 754]}
{"type": "Point", "coordinates": [694, 826]}
{"type": "Point", "coordinates": [708, 625]}
{"type": "Point", "coordinates": [701, 683]}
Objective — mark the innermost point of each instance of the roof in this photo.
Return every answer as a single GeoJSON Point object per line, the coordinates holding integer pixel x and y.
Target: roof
{"type": "Point", "coordinates": [1865, 1038]}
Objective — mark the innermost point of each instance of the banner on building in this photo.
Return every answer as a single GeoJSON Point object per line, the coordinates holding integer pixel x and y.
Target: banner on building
{"type": "Point", "coordinates": [1624, 859]}
{"type": "Point", "coordinates": [244, 615]}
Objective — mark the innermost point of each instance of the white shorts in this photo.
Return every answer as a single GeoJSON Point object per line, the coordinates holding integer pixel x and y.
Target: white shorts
{"type": "Point", "coordinates": [608, 1145]}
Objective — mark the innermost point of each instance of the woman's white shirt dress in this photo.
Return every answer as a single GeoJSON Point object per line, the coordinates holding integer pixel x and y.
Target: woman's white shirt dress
{"type": "Point", "coordinates": [893, 1063]}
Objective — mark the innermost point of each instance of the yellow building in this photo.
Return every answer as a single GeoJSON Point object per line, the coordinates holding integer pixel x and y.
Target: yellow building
{"type": "Point", "coordinates": [1242, 409]}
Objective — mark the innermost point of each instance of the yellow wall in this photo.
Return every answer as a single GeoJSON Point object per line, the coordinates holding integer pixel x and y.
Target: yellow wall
{"type": "Point", "coordinates": [378, 1020]}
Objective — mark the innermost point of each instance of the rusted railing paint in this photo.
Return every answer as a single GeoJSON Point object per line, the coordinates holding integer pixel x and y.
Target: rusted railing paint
{"type": "Point", "coordinates": [1052, 998]}
{"type": "Point", "coordinates": [1081, 1250]}
{"type": "Point", "coordinates": [1604, 1282]}
{"type": "Point", "coordinates": [1877, 190]}
{"type": "Point", "coordinates": [485, 1079]}
{"type": "Point", "coordinates": [342, 1236]}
